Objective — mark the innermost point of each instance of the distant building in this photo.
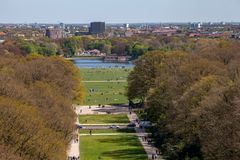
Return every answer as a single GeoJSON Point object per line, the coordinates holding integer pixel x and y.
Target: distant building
{"type": "Point", "coordinates": [195, 26]}
{"type": "Point", "coordinates": [55, 33]}
{"type": "Point", "coordinates": [126, 26]}
{"type": "Point", "coordinates": [62, 25]}
{"type": "Point", "coordinates": [97, 28]}
{"type": "Point", "coordinates": [81, 33]}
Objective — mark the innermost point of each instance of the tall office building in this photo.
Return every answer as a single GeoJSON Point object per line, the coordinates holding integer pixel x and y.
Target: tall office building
{"type": "Point", "coordinates": [97, 28]}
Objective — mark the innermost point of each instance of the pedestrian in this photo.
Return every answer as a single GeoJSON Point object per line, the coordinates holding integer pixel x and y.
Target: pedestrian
{"type": "Point", "coordinates": [153, 157]}
{"type": "Point", "coordinates": [90, 132]}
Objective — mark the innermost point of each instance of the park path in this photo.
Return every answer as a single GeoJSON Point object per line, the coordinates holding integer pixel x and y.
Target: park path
{"type": "Point", "coordinates": [141, 133]}
{"type": "Point", "coordinates": [73, 150]}
{"type": "Point", "coordinates": [109, 134]}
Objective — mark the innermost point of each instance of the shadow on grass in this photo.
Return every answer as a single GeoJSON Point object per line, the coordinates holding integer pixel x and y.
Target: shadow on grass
{"type": "Point", "coordinates": [133, 151]}
{"type": "Point", "coordinates": [126, 130]}
{"type": "Point", "coordinates": [126, 154]}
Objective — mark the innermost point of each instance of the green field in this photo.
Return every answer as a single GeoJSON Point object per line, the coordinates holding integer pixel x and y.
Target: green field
{"type": "Point", "coordinates": [105, 93]}
{"type": "Point", "coordinates": [111, 148]}
{"type": "Point", "coordinates": [104, 119]}
{"type": "Point", "coordinates": [99, 88]}
{"type": "Point", "coordinates": [104, 74]}
{"type": "Point", "coordinates": [86, 131]}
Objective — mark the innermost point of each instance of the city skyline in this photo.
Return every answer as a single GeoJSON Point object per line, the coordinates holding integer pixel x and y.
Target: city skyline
{"type": "Point", "coordinates": [134, 11]}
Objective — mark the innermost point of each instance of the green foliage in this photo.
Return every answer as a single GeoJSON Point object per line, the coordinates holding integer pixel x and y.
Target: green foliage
{"type": "Point", "coordinates": [133, 46]}
{"type": "Point", "coordinates": [42, 47]}
{"type": "Point", "coordinates": [70, 45]}
{"type": "Point", "coordinates": [138, 50]}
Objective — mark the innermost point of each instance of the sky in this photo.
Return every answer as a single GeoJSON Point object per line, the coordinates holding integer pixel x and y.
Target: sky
{"type": "Point", "coordinates": [118, 11]}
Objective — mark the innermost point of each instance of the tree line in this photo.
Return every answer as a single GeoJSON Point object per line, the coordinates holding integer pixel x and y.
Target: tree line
{"type": "Point", "coordinates": [193, 98]}
{"type": "Point", "coordinates": [36, 95]}
{"type": "Point", "coordinates": [131, 46]}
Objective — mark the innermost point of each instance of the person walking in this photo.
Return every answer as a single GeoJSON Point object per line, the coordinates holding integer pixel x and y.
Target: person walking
{"type": "Point", "coordinates": [153, 157]}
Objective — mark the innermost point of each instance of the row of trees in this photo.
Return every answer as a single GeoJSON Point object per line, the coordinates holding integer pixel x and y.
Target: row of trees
{"type": "Point", "coordinates": [132, 46]}
{"type": "Point", "coordinates": [37, 118]}
{"type": "Point", "coordinates": [193, 98]}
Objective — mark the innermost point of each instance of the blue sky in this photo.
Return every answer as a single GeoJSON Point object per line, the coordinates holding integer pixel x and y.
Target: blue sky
{"type": "Point", "coordinates": [118, 11]}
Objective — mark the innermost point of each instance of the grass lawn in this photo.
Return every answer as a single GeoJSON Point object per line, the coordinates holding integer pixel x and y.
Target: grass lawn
{"type": "Point", "coordinates": [104, 74]}
{"type": "Point", "coordinates": [103, 119]}
{"type": "Point", "coordinates": [86, 131]}
{"type": "Point", "coordinates": [111, 148]}
{"type": "Point", "coordinates": [105, 91]}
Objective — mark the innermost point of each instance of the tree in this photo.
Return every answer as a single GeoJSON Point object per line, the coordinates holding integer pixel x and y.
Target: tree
{"type": "Point", "coordinates": [192, 98]}
{"type": "Point", "coordinates": [36, 95]}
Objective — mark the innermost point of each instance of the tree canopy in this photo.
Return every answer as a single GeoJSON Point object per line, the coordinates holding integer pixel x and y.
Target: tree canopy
{"type": "Point", "coordinates": [193, 98]}
{"type": "Point", "coordinates": [36, 95]}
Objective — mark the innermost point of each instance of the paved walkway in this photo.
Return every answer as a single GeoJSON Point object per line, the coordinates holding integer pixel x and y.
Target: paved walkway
{"type": "Point", "coordinates": [109, 134]}
{"type": "Point", "coordinates": [74, 146]}
{"type": "Point", "coordinates": [93, 109]}
{"type": "Point", "coordinates": [142, 135]}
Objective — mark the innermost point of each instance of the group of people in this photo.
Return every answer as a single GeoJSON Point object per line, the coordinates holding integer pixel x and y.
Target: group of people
{"type": "Point", "coordinates": [144, 138]}
{"type": "Point", "coordinates": [154, 156]}
{"type": "Point", "coordinates": [75, 140]}
{"type": "Point", "coordinates": [73, 158]}
{"type": "Point", "coordinates": [99, 106]}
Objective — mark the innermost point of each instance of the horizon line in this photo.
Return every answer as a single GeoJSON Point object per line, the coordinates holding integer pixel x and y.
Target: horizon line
{"type": "Point", "coordinates": [166, 22]}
